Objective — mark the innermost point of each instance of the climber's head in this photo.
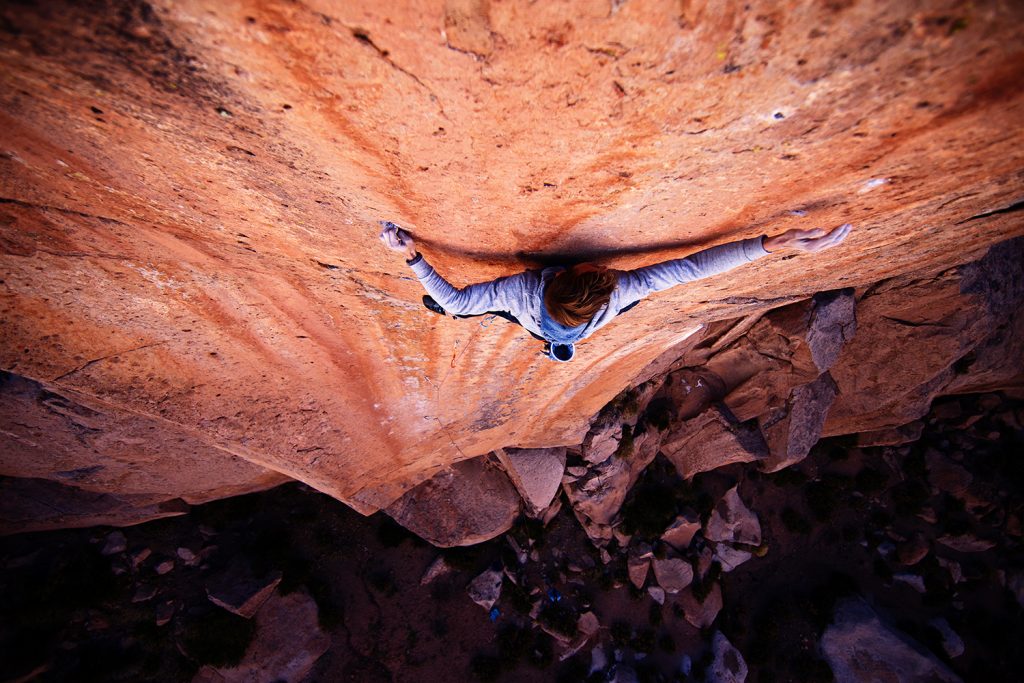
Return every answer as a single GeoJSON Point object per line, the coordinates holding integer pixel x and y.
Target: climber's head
{"type": "Point", "coordinates": [574, 295]}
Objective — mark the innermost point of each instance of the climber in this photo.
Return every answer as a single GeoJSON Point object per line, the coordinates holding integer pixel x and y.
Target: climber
{"type": "Point", "coordinates": [561, 306]}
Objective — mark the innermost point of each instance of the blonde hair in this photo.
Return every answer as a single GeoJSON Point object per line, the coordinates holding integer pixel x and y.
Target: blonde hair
{"type": "Point", "coordinates": [575, 295]}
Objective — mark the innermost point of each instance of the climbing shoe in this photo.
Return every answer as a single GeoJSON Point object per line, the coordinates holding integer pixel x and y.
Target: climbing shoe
{"type": "Point", "coordinates": [432, 305]}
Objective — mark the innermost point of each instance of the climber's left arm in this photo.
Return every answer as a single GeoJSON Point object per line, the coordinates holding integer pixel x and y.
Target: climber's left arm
{"type": "Point", "coordinates": [636, 284]}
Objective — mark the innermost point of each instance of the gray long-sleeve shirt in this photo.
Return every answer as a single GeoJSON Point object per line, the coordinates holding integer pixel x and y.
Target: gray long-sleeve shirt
{"type": "Point", "coordinates": [522, 295]}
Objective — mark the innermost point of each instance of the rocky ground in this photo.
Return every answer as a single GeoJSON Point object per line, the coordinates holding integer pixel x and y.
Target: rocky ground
{"type": "Point", "coordinates": [909, 552]}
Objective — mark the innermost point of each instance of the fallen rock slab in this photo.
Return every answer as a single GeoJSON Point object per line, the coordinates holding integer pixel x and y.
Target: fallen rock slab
{"type": "Point", "coordinates": [702, 613]}
{"type": "Point", "coordinates": [535, 472]}
{"type": "Point", "coordinates": [730, 557]}
{"type": "Point", "coordinates": [287, 644]}
{"type": "Point", "coordinates": [239, 591]}
{"type": "Point", "coordinates": [966, 543]}
{"type": "Point", "coordinates": [437, 568]}
{"type": "Point", "coordinates": [673, 574]}
{"type": "Point", "coordinates": [485, 589]}
{"type": "Point", "coordinates": [891, 436]}
{"type": "Point", "coordinates": [680, 533]}
{"type": "Point", "coordinates": [732, 521]}
{"type": "Point", "coordinates": [711, 440]}
{"type": "Point", "coordinates": [952, 643]}
{"type": "Point", "coordinates": [946, 475]}
{"type": "Point", "coordinates": [913, 550]}
{"type": "Point", "coordinates": [471, 502]}
{"type": "Point", "coordinates": [637, 568]}
{"type": "Point", "coordinates": [116, 543]}
{"type": "Point", "coordinates": [727, 665]}
{"type": "Point", "coordinates": [861, 648]}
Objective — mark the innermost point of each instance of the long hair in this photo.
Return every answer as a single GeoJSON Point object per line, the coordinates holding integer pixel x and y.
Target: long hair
{"type": "Point", "coordinates": [573, 296]}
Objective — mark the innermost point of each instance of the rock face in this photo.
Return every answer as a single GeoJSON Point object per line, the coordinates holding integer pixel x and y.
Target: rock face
{"type": "Point", "coordinates": [860, 648]}
{"type": "Point", "coordinates": [189, 192]}
{"type": "Point", "coordinates": [471, 502]}
{"type": "Point", "coordinates": [287, 644]}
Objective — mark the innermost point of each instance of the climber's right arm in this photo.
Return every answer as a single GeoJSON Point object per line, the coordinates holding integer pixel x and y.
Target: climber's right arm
{"type": "Point", "coordinates": [503, 294]}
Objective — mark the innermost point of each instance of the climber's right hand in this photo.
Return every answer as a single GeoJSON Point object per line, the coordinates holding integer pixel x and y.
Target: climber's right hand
{"type": "Point", "coordinates": [397, 239]}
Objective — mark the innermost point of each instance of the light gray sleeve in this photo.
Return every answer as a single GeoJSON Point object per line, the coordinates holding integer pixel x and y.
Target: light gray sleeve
{"type": "Point", "coordinates": [503, 294]}
{"type": "Point", "coordinates": [634, 285]}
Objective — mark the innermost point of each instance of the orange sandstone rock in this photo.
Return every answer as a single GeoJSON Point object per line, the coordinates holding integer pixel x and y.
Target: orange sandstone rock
{"type": "Point", "coordinates": [189, 190]}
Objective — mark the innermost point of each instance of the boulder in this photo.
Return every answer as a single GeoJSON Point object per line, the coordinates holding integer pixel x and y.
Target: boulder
{"type": "Point", "coordinates": [187, 556]}
{"type": "Point", "coordinates": [436, 569]}
{"type": "Point", "coordinates": [680, 533]}
{"type": "Point", "coordinates": [165, 612]}
{"type": "Point", "coordinates": [485, 589]}
{"type": "Point", "coordinates": [945, 475]}
{"type": "Point", "coordinates": [701, 613]}
{"type": "Point", "coordinates": [731, 521]}
{"type": "Point", "coordinates": [471, 502]}
{"type": "Point", "coordinates": [915, 581]}
{"type": "Point", "coordinates": [535, 472]}
{"type": "Point", "coordinates": [239, 591]}
{"type": "Point", "coordinates": [952, 643]}
{"type": "Point", "coordinates": [115, 543]}
{"type": "Point", "coordinates": [966, 543]}
{"type": "Point", "coordinates": [673, 574]}
{"type": "Point", "coordinates": [730, 557]}
{"type": "Point", "coordinates": [588, 624]}
{"type": "Point", "coordinates": [710, 440]}
{"type": "Point", "coordinates": [287, 643]}
{"type": "Point", "coordinates": [913, 550]}
{"type": "Point", "coordinates": [637, 568]}
{"type": "Point", "coordinates": [792, 430]}
{"type": "Point", "coordinates": [727, 664]}
{"type": "Point", "coordinates": [861, 648]}
{"type": "Point", "coordinates": [144, 593]}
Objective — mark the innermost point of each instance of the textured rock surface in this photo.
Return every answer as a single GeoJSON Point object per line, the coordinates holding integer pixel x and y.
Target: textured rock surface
{"type": "Point", "coordinates": [927, 334]}
{"type": "Point", "coordinates": [106, 464]}
{"type": "Point", "coordinates": [188, 192]}
{"type": "Point", "coordinates": [287, 643]}
{"type": "Point", "coordinates": [241, 593]}
{"type": "Point", "coordinates": [472, 501]}
{"type": "Point", "coordinates": [673, 574]}
{"type": "Point", "coordinates": [792, 429]}
{"type": "Point", "coordinates": [732, 521]}
{"type": "Point", "coordinates": [712, 439]}
{"type": "Point", "coordinates": [727, 664]}
{"type": "Point", "coordinates": [860, 648]}
{"type": "Point", "coordinates": [536, 474]}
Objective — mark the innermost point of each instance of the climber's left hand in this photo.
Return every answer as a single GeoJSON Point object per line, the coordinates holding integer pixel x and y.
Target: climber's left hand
{"type": "Point", "coordinates": [807, 240]}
